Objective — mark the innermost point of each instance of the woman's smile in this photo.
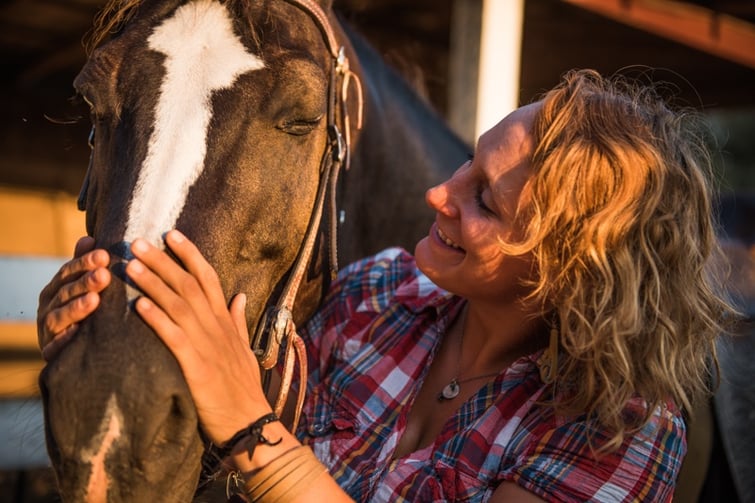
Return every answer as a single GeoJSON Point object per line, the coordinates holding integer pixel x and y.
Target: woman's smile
{"type": "Point", "coordinates": [445, 239]}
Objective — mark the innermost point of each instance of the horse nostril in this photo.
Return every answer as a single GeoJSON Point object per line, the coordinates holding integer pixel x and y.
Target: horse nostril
{"type": "Point", "coordinates": [174, 429]}
{"type": "Point", "coordinates": [176, 438]}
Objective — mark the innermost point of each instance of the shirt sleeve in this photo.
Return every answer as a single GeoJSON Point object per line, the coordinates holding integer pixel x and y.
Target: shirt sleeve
{"type": "Point", "coordinates": [561, 466]}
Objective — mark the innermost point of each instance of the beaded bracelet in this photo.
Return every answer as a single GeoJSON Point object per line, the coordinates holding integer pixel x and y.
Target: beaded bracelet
{"type": "Point", "coordinates": [254, 432]}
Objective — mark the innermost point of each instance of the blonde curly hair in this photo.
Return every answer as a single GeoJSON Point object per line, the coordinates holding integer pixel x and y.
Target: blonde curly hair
{"type": "Point", "coordinates": [620, 222]}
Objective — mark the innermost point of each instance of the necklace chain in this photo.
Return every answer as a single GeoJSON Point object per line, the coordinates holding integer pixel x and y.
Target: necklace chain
{"type": "Point", "coordinates": [452, 389]}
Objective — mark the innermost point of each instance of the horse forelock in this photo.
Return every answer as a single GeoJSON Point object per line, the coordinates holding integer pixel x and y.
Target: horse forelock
{"type": "Point", "coordinates": [116, 14]}
{"type": "Point", "coordinates": [203, 55]}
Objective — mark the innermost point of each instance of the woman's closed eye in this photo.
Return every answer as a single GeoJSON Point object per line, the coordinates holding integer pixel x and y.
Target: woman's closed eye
{"type": "Point", "coordinates": [480, 200]}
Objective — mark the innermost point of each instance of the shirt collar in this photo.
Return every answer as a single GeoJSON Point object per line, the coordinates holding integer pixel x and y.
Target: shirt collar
{"type": "Point", "coordinates": [420, 293]}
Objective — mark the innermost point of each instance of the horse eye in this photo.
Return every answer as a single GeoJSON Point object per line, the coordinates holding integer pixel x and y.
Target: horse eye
{"type": "Point", "coordinates": [299, 127]}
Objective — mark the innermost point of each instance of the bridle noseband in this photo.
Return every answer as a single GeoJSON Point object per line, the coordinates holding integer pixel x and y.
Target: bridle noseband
{"type": "Point", "coordinates": [278, 323]}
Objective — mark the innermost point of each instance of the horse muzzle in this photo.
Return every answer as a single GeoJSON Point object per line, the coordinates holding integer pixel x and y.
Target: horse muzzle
{"type": "Point", "coordinates": [120, 422]}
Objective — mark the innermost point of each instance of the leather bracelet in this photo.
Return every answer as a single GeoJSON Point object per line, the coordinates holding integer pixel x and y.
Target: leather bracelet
{"type": "Point", "coordinates": [285, 477]}
{"type": "Point", "coordinates": [254, 432]}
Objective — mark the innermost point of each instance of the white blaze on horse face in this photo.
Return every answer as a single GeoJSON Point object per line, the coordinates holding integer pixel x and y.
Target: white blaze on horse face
{"type": "Point", "coordinates": [202, 55]}
{"type": "Point", "coordinates": [109, 433]}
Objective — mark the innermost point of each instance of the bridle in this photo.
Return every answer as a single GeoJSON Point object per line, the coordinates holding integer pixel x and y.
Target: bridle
{"type": "Point", "coordinates": [278, 324]}
{"type": "Point", "coordinates": [277, 328]}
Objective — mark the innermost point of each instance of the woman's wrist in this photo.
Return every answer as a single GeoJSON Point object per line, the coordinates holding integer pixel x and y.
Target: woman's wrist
{"type": "Point", "coordinates": [251, 435]}
{"type": "Point", "coordinates": [285, 471]}
{"type": "Point", "coordinates": [278, 441]}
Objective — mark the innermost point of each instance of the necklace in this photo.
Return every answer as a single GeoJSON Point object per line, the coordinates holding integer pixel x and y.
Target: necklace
{"type": "Point", "coordinates": [452, 389]}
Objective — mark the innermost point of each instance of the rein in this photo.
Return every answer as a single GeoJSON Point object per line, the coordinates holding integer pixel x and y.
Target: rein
{"type": "Point", "coordinates": [278, 323]}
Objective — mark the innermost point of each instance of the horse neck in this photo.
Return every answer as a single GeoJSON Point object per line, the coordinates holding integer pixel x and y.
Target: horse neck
{"type": "Point", "coordinates": [398, 117]}
{"type": "Point", "coordinates": [404, 148]}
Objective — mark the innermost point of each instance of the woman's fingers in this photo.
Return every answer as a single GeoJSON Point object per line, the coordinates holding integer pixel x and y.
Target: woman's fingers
{"type": "Point", "coordinates": [170, 332]}
{"type": "Point", "coordinates": [184, 304]}
{"type": "Point", "coordinates": [178, 293]}
{"type": "Point", "coordinates": [57, 320]}
{"type": "Point", "coordinates": [198, 284]}
{"type": "Point", "coordinates": [238, 315]}
{"type": "Point", "coordinates": [62, 288]}
{"type": "Point", "coordinates": [82, 297]}
{"type": "Point", "coordinates": [71, 296]}
{"type": "Point", "coordinates": [89, 281]}
{"type": "Point", "coordinates": [197, 265]}
{"type": "Point", "coordinates": [51, 349]}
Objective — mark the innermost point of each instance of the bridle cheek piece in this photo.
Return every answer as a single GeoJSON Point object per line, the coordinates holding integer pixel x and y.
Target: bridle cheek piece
{"type": "Point", "coordinates": [278, 322]}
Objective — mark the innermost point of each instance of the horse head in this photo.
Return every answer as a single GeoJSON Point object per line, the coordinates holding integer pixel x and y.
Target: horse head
{"type": "Point", "coordinates": [227, 121]}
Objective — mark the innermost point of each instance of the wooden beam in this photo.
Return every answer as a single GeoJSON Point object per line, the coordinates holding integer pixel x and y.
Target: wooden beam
{"type": "Point", "coordinates": [719, 34]}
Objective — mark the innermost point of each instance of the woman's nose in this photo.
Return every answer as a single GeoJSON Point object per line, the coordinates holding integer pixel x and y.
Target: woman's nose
{"type": "Point", "coordinates": [440, 199]}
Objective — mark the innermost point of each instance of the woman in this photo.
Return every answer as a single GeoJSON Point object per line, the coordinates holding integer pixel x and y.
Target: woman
{"type": "Point", "coordinates": [540, 345]}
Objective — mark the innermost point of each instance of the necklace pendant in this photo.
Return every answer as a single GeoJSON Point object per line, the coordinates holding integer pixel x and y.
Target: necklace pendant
{"type": "Point", "coordinates": [450, 391]}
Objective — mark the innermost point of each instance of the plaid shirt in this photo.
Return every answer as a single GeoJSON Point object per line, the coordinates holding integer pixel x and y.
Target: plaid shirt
{"type": "Point", "coordinates": [370, 346]}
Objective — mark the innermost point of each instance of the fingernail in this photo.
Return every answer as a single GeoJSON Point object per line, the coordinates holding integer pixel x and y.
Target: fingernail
{"type": "Point", "coordinates": [98, 275]}
{"type": "Point", "coordinates": [143, 303]}
{"type": "Point", "coordinates": [139, 245]}
{"type": "Point", "coordinates": [88, 298]}
{"type": "Point", "coordinates": [134, 266]}
{"type": "Point", "coordinates": [176, 236]}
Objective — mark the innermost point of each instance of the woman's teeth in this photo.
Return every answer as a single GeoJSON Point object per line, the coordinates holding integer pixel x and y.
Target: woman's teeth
{"type": "Point", "coordinates": [447, 240]}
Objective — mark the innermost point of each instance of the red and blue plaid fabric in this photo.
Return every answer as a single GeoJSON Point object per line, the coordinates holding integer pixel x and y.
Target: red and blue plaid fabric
{"type": "Point", "coordinates": [370, 346]}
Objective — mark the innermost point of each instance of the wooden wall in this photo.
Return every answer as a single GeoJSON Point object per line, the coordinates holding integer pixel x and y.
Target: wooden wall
{"type": "Point", "coordinates": [38, 230]}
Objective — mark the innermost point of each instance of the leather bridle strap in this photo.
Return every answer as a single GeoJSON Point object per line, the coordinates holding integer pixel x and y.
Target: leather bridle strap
{"type": "Point", "coordinates": [279, 321]}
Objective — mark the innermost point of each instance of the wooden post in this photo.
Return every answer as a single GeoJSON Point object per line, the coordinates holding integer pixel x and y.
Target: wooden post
{"type": "Point", "coordinates": [486, 44]}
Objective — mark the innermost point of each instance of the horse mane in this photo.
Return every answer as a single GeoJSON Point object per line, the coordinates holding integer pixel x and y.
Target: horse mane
{"type": "Point", "coordinates": [108, 21]}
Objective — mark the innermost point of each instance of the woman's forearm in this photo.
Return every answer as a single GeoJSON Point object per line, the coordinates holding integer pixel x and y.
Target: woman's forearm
{"type": "Point", "coordinates": [285, 469]}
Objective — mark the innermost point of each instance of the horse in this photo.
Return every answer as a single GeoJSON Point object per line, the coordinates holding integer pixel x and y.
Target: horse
{"type": "Point", "coordinates": [261, 129]}
{"type": "Point", "coordinates": [731, 475]}
{"type": "Point", "coordinates": [719, 465]}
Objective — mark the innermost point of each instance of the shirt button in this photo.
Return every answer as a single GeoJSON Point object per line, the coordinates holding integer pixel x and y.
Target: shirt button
{"type": "Point", "coordinates": [318, 428]}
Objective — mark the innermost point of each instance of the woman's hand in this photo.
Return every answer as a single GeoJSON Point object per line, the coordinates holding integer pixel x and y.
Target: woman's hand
{"type": "Point", "coordinates": [71, 296]}
{"type": "Point", "coordinates": [188, 311]}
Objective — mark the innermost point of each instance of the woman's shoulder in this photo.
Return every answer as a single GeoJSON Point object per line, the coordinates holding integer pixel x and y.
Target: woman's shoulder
{"type": "Point", "coordinates": [564, 459]}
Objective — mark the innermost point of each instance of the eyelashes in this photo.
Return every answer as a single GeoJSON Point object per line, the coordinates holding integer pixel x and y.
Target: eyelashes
{"type": "Point", "coordinates": [480, 202]}
{"type": "Point", "coordinates": [478, 191]}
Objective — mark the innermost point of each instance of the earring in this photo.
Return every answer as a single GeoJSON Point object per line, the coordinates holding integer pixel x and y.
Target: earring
{"type": "Point", "coordinates": [549, 361]}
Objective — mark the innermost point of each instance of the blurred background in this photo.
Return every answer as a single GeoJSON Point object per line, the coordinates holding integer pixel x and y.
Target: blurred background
{"type": "Point", "coordinates": [472, 60]}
